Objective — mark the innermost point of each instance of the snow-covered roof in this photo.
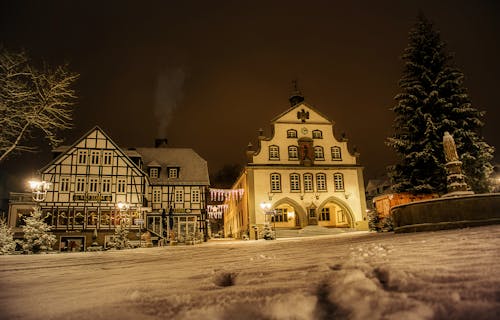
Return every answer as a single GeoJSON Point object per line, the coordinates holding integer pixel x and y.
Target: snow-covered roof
{"type": "Point", "coordinates": [193, 168]}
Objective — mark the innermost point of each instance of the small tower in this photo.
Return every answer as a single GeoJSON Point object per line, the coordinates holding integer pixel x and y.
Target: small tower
{"type": "Point", "coordinates": [296, 97]}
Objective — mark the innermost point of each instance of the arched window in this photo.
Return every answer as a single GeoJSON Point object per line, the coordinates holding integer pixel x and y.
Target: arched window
{"type": "Point", "coordinates": [321, 182]}
{"type": "Point", "coordinates": [336, 155]}
{"type": "Point", "coordinates": [294, 182]}
{"type": "Point", "coordinates": [291, 133]}
{"type": "Point", "coordinates": [338, 181]}
{"type": "Point", "coordinates": [308, 182]}
{"type": "Point", "coordinates": [274, 153]}
{"type": "Point", "coordinates": [318, 153]}
{"type": "Point", "coordinates": [317, 134]}
{"type": "Point", "coordinates": [293, 153]}
{"type": "Point", "coordinates": [275, 182]}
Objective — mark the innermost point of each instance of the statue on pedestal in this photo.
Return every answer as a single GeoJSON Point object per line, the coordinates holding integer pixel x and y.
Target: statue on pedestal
{"type": "Point", "coordinates": [455, 179]}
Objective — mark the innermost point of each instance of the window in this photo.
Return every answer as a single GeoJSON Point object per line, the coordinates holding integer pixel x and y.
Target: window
{"type": "Point", "coordinates": [317, 134]}
{"type": "Point", "coordinates": [336, 155]}
{"type": "Point", "coordinates": [275, 182]}
{"type": "Point", "coordinates": [280, 215]}
{"type": "Point", "coordinates": [294, 182]}
{"type": "Point", "coordinates": [274, 153]}
{"type": "Point", "coordinates": [318, 153]}
{"type": "Point", "coordinates": [156, 195]}
{"type": "Point", "coordinates": [291, 133]}
{"type": "Point", "coordinates": [321, 182]}
{"type": "Point", "coordinates": [173, 172]}
{"type": "Point", "coordinates": [64, 186]}
{"type": "Point", "coordinates": [93, 184]}
{"type": "Point", "coordinates": [195, 196]}
{"type": "Point", "coordinates": [153, 172]}
{"type": "Point", "coordinates": [308, 182]}
{"type": "Point", "coordinates": [293, 153]}
{"type": "Point", "coordinates": [82, 157]}
{"type": "Point", "coordinates": [338, 181]}
{"type": "Point", "coordinates": [107, 157]}
{"type": "Point", "coordinates": [80, 184]}
{"type": "Point", "coordinates": [120, 186]}
{"type": "Point", "coordinates": [94, 157]}
{"type": "Point", "coordinates": [179, 196]}
{"type": "Point", "coordinates": [106, 185]}
{"type": "Point", "coordinates": [325, 214]}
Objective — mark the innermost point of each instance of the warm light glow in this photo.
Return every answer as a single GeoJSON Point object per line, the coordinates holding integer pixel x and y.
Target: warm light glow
{"type": "Point", "coordinates": [291, 214]}
{"type": "Point", "coordinates": [123, 205]}
{"type": "Point", "coordinates": [265, 206]}
{"type": "Point", "coordinates": [39, 189]}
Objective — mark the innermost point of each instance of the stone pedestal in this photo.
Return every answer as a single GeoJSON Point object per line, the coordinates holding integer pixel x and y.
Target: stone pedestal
{"type": "Point", "coordinates": [455, 180]}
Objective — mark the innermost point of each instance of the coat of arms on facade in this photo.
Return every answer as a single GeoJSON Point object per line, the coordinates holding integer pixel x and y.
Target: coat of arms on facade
{"type": "Point", "coordinates": [302, 115]}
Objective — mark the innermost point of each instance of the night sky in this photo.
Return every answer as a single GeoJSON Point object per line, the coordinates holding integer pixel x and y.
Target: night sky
{"type": "Point", "coordinates": [217, 71]}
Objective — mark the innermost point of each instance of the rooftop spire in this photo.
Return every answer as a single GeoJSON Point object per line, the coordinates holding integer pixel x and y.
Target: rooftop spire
{"type": "Point", "coordinates": [296, 97]}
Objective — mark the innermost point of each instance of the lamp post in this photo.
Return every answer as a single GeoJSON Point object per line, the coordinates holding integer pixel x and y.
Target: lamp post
{"type": "Point", "coordinates": [266, 207]}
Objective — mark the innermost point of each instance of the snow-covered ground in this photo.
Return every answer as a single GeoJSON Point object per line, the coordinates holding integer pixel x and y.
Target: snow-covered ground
{"type": "Point", "coordinates": [433, 275]}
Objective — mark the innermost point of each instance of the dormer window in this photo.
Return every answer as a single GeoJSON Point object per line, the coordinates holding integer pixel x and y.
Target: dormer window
{"type": "Point", "coordinates": [154, 172]}
{"type": "Point", "coordinates": [317, 134]}
{"type": "Point", "coordinates": [173, 172]}
{"type": "Point", "coordinates": [291, 133]}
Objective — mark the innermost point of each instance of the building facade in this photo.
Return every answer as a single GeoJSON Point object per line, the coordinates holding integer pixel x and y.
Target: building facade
{"type": "Point", "coordinates": [90, 178]}
{"type": "Point", "coordinates": [300, 176]}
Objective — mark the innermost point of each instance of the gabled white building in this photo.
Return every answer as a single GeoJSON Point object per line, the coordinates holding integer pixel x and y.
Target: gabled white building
{"type": "Point", "coordinates": [164, 189]}
{"type": "Point", "coordinates": [300, 176]}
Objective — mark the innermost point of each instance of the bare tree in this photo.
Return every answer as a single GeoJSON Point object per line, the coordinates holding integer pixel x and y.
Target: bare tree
{"type": "Point", "coordinates": [32, 101]}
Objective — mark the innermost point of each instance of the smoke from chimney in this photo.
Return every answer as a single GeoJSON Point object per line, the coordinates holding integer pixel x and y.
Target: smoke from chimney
{"type": "Point", "coordinates": [169, 85]}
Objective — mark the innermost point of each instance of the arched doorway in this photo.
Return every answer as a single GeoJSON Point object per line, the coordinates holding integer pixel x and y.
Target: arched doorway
{"type": "Point", "coordinates": [288, 214]}
{"type": "Point", "coordinates": [335, 213]}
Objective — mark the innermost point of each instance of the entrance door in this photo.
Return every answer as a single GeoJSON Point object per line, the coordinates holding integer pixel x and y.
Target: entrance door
{"type": "Point", "coordinates": [313, 219]}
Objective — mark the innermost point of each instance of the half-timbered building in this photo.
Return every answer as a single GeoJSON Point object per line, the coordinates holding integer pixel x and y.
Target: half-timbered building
{"type": "Point", "coordinates": [162, 190]}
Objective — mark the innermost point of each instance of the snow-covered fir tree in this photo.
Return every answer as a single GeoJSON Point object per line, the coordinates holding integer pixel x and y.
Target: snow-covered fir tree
{"type": "Point", "coordinates": [120, 239]}
{"type": "Point", "coordinates": [434, 100]}
{"type": "Point", "coordinates": [37, 236]}
{"type": "Point", "coordinates": [7, 242]}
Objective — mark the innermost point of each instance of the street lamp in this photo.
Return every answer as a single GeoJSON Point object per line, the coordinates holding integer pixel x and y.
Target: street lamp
{"type": "Point", "coordinates": [39, 189]}
{"type": "Point", "coordinates": [123, 206]}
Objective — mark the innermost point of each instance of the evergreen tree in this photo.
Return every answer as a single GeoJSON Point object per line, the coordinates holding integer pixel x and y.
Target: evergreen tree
{"type": "Point", "coordinates": [120, 239]}
{"type": "Point", "coordinates": [37, 236]}
{"type": "Point", "coordinates": [7, 242]}
{"type": "Point", "coordinates": [434, 100]}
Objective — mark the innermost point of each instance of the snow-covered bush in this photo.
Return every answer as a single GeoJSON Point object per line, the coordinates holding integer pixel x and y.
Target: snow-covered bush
{"type": "Point", "coordinates": [268, 232]}
{"type": "Point", "coordinates": [378, 223]}
{"type": "Point", "coordinates": [7, 242]}
{"type": "Point", "coordinates": [37, 236]}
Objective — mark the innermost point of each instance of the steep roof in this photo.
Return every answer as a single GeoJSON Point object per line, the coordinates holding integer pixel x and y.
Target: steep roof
{"type": "Point", "coordinates": [193, 168]}
{"type": "Point", "coordinates": [291, 114]}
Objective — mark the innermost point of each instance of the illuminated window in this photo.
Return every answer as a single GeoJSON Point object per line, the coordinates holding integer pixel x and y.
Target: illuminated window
{"type": "Point", "coordinates": [274, 153]}
{"type": "Point", "coordinates": [308, 182]}
{"type": "Point", "coordinates": [173, 172]}
{"type": "Point", "coordinates": [107, 157]}
{"type": "Point", "coordinates": [153, 172]}
{"type": "Point", "coordinates": [294, 182]}
{"type": "Point", "coordinates": [156, 195]}
{"type": "Point", "coordinates": [93, 182]}
{"type": "Point", "coordinates": [64, 187]}
{"type": "Point", "coordinates": [80, 184]}
{"type": "Point", "coordinates": [293, 153]}
{"type": "Point", "coordinates": [318, 153]}
{"type": "Point", "coordinates": [321, 182]}
{"type": "Point", "coordinates": [195, 196]}
{"type": "Point", "coordinates": [275, 182]}
{"type": "Point", "coordinates": [338, 181]}
{"type": "Point", "coordinates": [106, 185]}
{"type": "Point", "coordinates": [280, 215]}
{"type": "Point", "coordinates": [336, 155]}
{"type": "Point", "coordinates": [94, 157]}
{"type": "Point", "coordinates": [317, 134]}
{"type": "Point", "coordinates": [291, 133]}
{"type": "Point", "coordinates": [121, 185]}
{"type": "Point", "coordinates": [82, 157]}
{"type": "Point", "coordinates": [325, 214]}
{"type": "Point", "coordinates": [179, 196]}
{"type": "Point", "coordinates": [341, 216]}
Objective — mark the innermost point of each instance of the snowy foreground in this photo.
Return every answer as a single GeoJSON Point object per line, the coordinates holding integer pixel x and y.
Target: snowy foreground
{"type": "Point", "coordinates": [433, 275]}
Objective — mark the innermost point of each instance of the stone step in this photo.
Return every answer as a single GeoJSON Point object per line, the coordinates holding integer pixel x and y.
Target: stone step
{"type": "Point", "coordinates": [310, 231]}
